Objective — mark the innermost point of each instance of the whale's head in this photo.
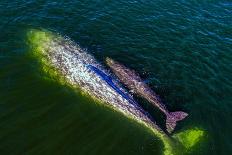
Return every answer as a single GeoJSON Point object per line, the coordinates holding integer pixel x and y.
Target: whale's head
{"type": "Point", "coordinates": [39, 39]}
{"type": "Point", "coordinates": [110, 61]}
{"type": "Point", "coordinates": [41, 47]}
{"type": "Point", "coordinates": [114, 65]}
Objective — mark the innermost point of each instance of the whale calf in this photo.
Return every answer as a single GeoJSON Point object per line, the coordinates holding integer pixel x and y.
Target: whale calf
{"type": "Point", "coordinates": [69, 64]}
{"type": "Point", "coordinates": [132, 80]}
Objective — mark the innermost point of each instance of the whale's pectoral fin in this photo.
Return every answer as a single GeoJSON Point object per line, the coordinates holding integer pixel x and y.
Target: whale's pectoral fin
{"type": "Point", "coordinates": [172, 118]}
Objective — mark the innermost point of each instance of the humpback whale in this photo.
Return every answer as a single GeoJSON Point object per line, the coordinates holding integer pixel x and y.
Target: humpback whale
{"type": "Point", "coordinates": [132, 80]}
{"type": "Point", "coordinates": [63, 60]}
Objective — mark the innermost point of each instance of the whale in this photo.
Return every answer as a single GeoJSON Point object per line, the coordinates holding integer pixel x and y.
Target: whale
{"type": "Point", "coordinates": [110, 82]}
{"type": "Point", "coordinates": [135, 83]}
{"type": "Point", "coordinates": [65, 61]}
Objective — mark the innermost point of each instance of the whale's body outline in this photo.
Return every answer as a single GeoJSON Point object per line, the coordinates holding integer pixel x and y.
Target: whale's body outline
{"type": "Point", "coordinates": [135, 83]}
{"type": "Point", "coordinates": [68, 63]}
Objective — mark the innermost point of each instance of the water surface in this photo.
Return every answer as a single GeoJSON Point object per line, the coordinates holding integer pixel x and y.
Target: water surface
{"type": "Point", "coordinates": [182, 49]}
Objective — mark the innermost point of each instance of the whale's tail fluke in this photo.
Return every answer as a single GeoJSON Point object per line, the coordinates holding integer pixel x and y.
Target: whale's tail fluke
{"type": "Point", "coordinates": [172, 118]}
{"type": "Point", "coordinates": [183, 142]}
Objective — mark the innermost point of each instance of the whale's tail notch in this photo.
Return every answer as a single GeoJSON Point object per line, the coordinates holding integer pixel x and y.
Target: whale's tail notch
{"type": "Point", "coordinates": [172, 118]}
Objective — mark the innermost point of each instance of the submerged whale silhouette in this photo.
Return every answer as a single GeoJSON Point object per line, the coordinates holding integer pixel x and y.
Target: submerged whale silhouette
{"type": "Point", "coordinates": [65, 61]}
{"type": "Point", "coordinates": [132, 80]}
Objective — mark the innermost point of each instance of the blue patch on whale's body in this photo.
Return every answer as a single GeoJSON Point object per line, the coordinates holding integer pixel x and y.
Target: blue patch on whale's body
{"type": "Point", "coordinates": [110, 82]}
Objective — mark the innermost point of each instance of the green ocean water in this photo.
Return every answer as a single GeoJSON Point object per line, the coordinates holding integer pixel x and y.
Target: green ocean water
{"type": "Point", "coordinates": [182, 49]}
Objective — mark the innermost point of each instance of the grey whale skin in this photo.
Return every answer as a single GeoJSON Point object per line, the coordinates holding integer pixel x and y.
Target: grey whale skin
{"type": "Point", "coordinates": [132, 80]}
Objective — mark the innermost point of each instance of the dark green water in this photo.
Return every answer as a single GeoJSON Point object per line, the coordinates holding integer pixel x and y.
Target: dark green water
{"type": "Point", "coordinates": [182, 49]}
